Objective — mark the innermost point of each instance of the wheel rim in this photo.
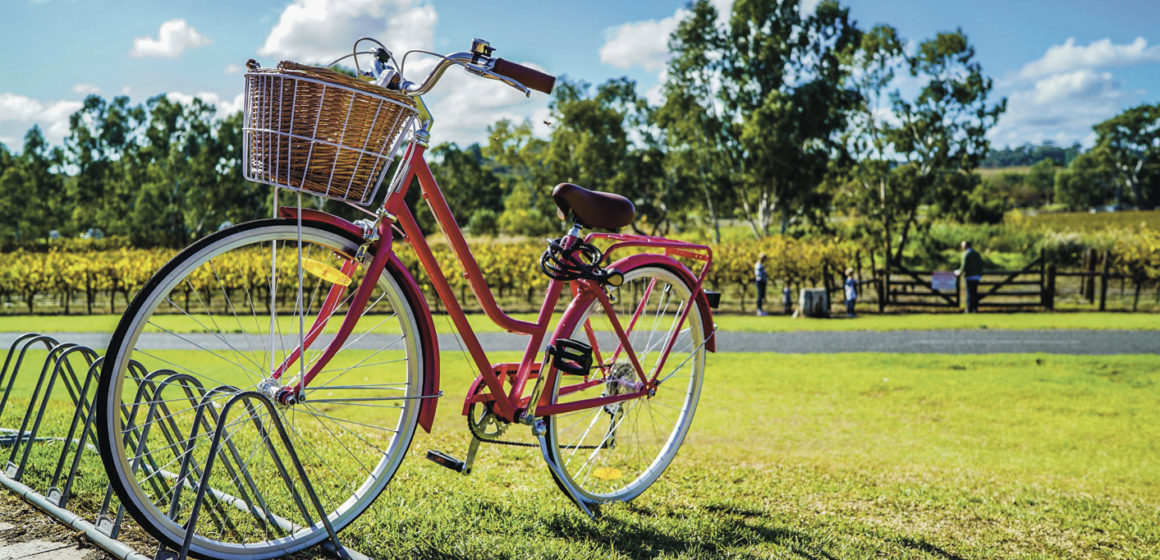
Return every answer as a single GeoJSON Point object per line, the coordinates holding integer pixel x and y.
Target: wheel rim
{"type": "Point", "coordinates": [614, 453]}
{"type": "Point", "coordinates": [350, 433]}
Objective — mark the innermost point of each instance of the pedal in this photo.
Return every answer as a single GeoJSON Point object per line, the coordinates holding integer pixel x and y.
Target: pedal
{"type": "Point", "coordinates": [571, 356]}
{"type": "Point", "coordinates": [445, 460]}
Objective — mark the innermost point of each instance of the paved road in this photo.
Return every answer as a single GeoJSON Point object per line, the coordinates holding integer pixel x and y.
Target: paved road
{"type": "Point", "coordinates": [802, 342]}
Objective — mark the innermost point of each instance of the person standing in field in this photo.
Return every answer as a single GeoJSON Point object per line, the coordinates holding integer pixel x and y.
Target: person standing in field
{"type": "Point", "coordinates": [762, 280]}
{"type": "Point", "coordinates": [851, 292]}
{"type": "Point", "coordinates": [971, 269]}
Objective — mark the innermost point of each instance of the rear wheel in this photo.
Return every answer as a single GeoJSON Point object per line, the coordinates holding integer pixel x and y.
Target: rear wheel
{"type": "Point", "coordinates": [221, 317]}
{"type": "Point", "coordinates": [614, 452]}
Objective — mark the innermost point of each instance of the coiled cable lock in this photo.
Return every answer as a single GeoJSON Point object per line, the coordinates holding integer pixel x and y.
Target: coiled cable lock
{"type": "Point", "coordinates": [580, 261]}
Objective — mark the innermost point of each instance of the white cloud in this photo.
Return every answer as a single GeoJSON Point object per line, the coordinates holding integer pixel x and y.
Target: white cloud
{"type": "Point", "coordinates": [233, 68]}
{"type": "Point", "coordinates": [464, 105]}
{"type": "Point", "coordinates": [174, 37]}
{"type": "Point", "coordinates": [1079, 84]}
{"type": "Point", "coordinates": [86, 89]}
{"type": "Point", "coordinates": [224, 107]}
{"type": "Point", "coordinates": [640, 43]}
{"type": "Point", "coordinates": [1062, 94]}
{"type": "Point", "coordinates": [319, 31]}
{"type": "Point", "coordinates": [1061, 108]}
{"type": "Point", "coordinates": [23, 112]}
{"type": "Point", "coordinates": [808, 7]}
{"type": "Point", "coordinates": [1099, 54]}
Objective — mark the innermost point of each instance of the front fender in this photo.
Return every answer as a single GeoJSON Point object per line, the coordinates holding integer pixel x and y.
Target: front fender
{"type": "Point", "coordinates": [413, 294]}
{"type": "Point", "coordinates": [427, 332]}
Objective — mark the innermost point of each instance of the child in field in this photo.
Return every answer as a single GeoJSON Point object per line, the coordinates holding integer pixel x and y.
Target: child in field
{"type": "Point", "coordinates": [851, 292]}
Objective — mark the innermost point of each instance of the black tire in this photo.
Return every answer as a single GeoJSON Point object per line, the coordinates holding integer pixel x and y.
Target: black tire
{"type": "Point", "coordinates": [615, 452]}
{"type": "Point", "coordinates": [349, 444]}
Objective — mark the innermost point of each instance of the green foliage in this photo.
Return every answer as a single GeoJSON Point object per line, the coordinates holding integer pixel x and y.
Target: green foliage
{"type": "Point", "coordinates": [985, 204]}
{"type": "Point", "coordinates": [1086, 183]}
{"type": "Point", "coordinates": [519, 159]}
{"type": "Point", "coordinates": [1041, 181]}
{"type": "Point", "coordinates": [1130, 144]}
{"type": "Point", "coordinates": [923, 157]}
{"type": "Point", "coordinates": [774, 84]}
{"type": "Point", "coordinates": [483, 222]}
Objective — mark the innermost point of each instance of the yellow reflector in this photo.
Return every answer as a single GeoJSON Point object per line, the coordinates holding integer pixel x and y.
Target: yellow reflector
{"type": "Point", "coordinates": [325, 272]}
{"type": "Point", "coordinates": [607, 473]}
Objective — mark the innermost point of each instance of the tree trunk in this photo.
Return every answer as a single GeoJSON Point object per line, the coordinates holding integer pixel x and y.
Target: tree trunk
{"type": "Point", "coordinates": [905, 234]}
{"type": "Point", "coordinates": [1139, 281]}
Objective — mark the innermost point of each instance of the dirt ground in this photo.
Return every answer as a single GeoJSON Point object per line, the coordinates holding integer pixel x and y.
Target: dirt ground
{"type": "Point", "coordinates": [27, 532]}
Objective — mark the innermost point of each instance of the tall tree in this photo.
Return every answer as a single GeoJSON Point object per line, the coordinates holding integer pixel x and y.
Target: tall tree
{"type": "Point", "coordinates": [920, 149]}
{"type": "Point", "coordinates": [1086, 183]}
{"type": "Point", "coordinates": [878, 186]}
{"type": "Point", "coordinates": [101, 145]}
{"type": "Point", "coordinates": [42, 208]}
{"type": "Point", "coordinates": [782, 93]}
{"type": "Point", "coordinates": [1131, 143]}
{"type": "Point", "coordinates": [520, 162]}
{"type": "Point", "coordinates": [699, 151]}
{"type": "Point", "coordinates": [1040, 179]}
{"type": "Point", "coordinates": [942, 131]}
{"type": "Point", "coordinates": [606, 140]}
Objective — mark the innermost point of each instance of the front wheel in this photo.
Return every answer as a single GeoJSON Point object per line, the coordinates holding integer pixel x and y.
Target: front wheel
{"type": "Point", "coordinates": [220, 317]}
{"type": "Point", "coordinates": [614, 452]}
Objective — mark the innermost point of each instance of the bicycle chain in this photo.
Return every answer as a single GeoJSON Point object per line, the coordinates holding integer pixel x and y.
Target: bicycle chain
{"type": "Point", "coordinates": [487, 439]}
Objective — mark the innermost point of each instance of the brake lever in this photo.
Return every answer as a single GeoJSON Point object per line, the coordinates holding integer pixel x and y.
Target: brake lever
{"type": "Point", "coordinates": [484, 72]}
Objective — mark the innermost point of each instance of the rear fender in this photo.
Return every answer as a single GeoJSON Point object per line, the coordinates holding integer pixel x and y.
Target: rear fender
{"type": "Point", "coordinates": [635, 261]}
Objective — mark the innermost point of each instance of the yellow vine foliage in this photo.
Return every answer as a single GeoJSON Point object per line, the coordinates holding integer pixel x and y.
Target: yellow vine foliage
{"type": "Point", "coordinates": [511, 269]}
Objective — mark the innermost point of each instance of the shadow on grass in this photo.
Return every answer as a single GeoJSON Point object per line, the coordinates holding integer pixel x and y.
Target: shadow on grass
{"type": "Point", "coordinates": [711, 531]}
{"type": "Point", "coordinates": [928, 548]}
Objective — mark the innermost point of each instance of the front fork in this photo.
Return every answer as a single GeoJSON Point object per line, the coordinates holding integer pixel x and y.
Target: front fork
{"type": "Point", "coordinates": [291, 394]}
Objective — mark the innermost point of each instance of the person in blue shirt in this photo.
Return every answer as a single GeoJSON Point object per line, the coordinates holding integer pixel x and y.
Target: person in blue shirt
{"type": "Point", "coordinates": [971, 269]}
{"type": "Point", "coordinates": [762, 279]}
{"type": "Point", "coordinates": [851, 292]}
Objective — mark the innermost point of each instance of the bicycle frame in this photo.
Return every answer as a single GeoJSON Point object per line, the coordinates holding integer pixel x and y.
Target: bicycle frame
{"type": "Point", "coordinates": [506, 403]}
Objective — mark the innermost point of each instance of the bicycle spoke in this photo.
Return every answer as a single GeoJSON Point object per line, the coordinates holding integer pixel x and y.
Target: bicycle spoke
{"type": "Point", "coordinates": [349, 434]}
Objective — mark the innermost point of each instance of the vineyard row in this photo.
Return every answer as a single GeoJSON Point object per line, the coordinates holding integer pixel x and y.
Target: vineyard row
{"type": "Point", "coordinates": [104, 281]}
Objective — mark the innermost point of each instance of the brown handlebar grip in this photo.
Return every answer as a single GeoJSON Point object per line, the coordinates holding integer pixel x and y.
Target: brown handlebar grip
{"type": "Point", "coordinates": [532, 79]}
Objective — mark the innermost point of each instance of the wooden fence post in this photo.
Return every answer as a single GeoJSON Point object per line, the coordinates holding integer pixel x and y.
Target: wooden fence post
{"type": "Point", "coordinates": [1088, 284]}
{"type": "Point", "coordinates": [1104, 281]}
{"type": "Point", "coordinates": [1049, 288]}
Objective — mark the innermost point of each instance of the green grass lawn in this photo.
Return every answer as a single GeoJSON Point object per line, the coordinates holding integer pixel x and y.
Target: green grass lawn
{"type": "Point", "coordinates": [726, 322]}
{"type": "Point", "coordinates": [814, 456]}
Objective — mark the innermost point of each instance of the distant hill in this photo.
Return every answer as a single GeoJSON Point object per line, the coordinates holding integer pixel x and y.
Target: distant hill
{"type": "Point", "coordinates": [1029, 154]}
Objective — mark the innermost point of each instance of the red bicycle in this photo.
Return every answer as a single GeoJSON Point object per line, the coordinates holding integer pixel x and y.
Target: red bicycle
{"type": "Point", "coordinates": [319, 315]}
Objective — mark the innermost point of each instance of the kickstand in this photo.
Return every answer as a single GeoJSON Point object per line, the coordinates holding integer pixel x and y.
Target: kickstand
{"type": "Point", "coordinates": [557, 474]}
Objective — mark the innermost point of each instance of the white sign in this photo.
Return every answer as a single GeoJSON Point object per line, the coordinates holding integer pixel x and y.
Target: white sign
{"type": "Point", "coordinates": [942, 280]}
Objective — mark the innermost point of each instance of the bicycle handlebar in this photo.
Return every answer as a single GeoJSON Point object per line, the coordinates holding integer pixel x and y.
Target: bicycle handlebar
{"type": "Point", "coordinates": [532, 78]}
{"type": "Point", "coordinates": [513, 74]}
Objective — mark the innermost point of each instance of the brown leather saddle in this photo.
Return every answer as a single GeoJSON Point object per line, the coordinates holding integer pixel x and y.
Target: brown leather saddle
{"type": "Point", "coordinates": [593, 208]}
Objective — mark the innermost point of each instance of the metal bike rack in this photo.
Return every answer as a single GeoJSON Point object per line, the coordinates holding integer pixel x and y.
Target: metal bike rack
{"type": "Point", "coordinates": [77, 368]}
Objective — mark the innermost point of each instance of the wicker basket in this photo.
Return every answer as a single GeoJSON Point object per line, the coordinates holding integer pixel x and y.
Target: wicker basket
{"type": "Point", "coordinates": [321, 132]}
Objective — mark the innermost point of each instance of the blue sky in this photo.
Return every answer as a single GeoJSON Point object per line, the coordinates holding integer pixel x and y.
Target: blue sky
{"type": "Point", "coordinates": [1063, 65]}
